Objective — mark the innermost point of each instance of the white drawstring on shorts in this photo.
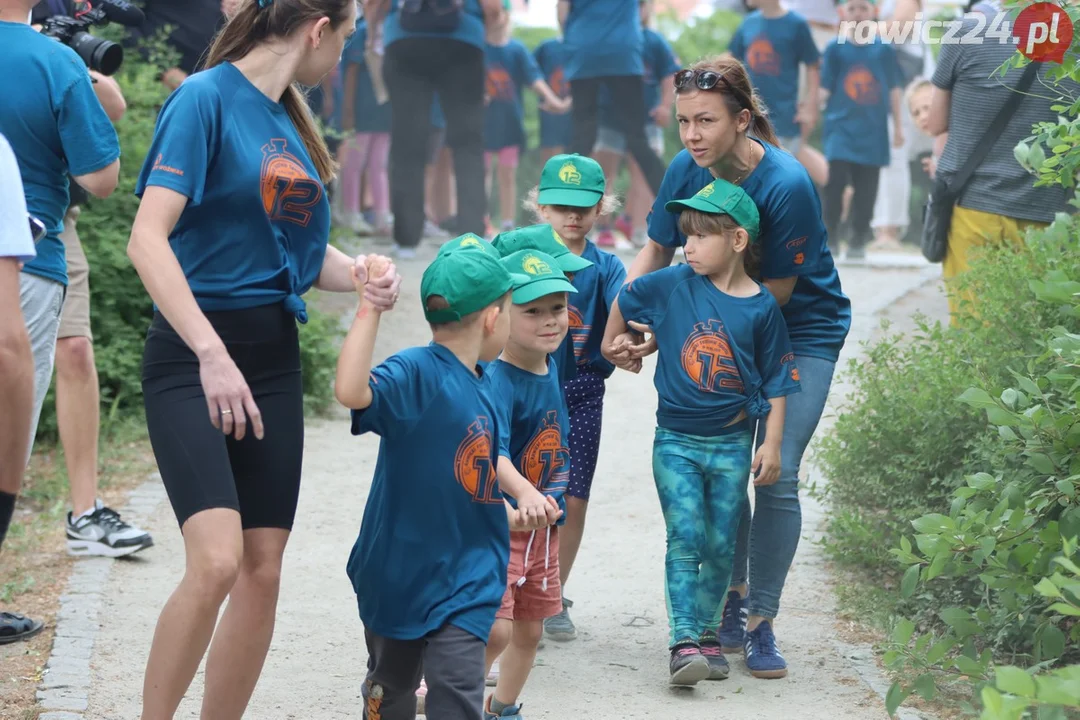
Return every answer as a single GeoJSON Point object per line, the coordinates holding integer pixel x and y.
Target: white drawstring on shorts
{"type": "Point", "coordinates": [547, 559]}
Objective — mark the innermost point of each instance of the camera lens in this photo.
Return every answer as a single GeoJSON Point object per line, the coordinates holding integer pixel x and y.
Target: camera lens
{"type": "Point", "coordinates": [98, 54]}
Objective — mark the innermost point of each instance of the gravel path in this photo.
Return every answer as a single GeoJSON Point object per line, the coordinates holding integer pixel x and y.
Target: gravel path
{"type": "Point", "coordinates": [616, 670]}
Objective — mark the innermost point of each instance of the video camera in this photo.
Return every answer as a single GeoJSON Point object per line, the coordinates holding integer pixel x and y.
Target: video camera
{"type": "Point", "coordinates": [99, 54]}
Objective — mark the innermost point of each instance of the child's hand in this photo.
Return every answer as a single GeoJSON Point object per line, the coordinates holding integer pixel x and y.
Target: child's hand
{"type": "Point", "coordinates": [519, 521]}
{"type": "Point", "coordinates": [807, 117]}
{"type": "Point", "coordinates": [377, 281]}
{"type": "Point", "coordinates": [766, 465]}
{"type": "Point", "coordinates": [929, 164]}
{"type": "Point", "coordinates": [536, 508]}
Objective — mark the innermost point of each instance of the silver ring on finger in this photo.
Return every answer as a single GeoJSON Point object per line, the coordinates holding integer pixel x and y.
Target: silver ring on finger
{"type": "Point", "coordinates": [226, 412]}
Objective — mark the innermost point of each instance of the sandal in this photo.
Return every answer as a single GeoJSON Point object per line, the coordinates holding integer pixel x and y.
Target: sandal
{"type": "Point", "coordinates": [15, 627]}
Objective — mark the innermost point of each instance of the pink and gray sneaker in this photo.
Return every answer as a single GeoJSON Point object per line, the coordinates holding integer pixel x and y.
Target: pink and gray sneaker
{"type": "Point", "coordinates": [688, 666]}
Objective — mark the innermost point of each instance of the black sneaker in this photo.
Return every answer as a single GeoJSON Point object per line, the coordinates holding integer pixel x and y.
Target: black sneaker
{"type": "Point", "coordinates": [688, 666]}
{"type": "Point", "coordinates": [15, 627]}
{"type": "Point", "coordinates": [718, 664]}
{"type": "Point", "coordinates": [103, 533]}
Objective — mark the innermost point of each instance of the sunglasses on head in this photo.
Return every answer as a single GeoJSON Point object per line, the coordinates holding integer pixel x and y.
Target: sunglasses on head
{"type": "Point", "coordinates": [700, 79]}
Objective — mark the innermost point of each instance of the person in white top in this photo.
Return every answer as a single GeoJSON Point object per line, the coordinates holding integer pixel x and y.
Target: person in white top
{"type": "Point", "coordinates": [16, 362]}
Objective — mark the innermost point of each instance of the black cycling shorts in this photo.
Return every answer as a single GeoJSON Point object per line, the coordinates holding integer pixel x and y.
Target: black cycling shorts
{"type": "Point", "coordinates": [200, 466]}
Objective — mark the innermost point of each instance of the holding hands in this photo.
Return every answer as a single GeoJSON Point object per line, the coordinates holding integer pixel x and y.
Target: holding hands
{"type": "Point", "coordinates": [533, 514]}
{"type": "Point", "coordinates": [377, 281]}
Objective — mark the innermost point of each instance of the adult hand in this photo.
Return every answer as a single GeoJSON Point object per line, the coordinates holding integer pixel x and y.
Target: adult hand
{"type": "Point", "coordinates": [766, 465]}
{"type": "Point", "coordinates": [228, 397]}
{"type": "Point", "coordinates": [662, 115]}
{"type": "Point", "coordinates": [379, 282]}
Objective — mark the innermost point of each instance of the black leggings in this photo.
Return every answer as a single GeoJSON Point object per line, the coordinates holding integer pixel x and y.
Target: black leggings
{"type": "Point", "coordinates": [864, 179]}
{"type": "Point", "coordinates": [414, 69]}
{"type": "Point", "coordinates": [200, 466]}
{"type": "Point", "coordinates": [628, 95]}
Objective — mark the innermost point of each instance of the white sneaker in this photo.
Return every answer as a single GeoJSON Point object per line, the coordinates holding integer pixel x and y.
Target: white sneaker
{"type": "Point", "coordinates": [404, 253]}
{"type": "Point", "coordinates": [103, 533]}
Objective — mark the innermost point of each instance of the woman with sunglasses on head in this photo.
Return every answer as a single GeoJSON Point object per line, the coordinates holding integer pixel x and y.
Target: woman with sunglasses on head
{"type": "Point", "coordinates": [232, 230]}
{"type": "Point", "coordinates": [727, 134]}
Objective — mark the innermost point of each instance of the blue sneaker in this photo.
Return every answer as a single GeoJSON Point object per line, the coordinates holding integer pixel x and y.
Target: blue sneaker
{"type": "Point", "coordinates": [763, 658]}
{"type": "Point", "coordinates": [560, 627]}
{"type": "Point", "coordinates": [733, 624]}
{"type": "Point", "coordinates": [513, 712]}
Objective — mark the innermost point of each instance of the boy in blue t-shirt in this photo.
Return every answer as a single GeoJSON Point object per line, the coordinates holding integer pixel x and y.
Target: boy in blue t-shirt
{"type": "Point", "coordinates": [435, 509]}
{"type": "Point", "coordinates": [863, 82]}
{"type": "Point", "coordinates": [772, 42]}
{"type": "Point", "coordinates": [534, 463]}
{"type": "Point", "coordinates": [725, 360]}
{"type": "Point", "coordinates": [510, 69]}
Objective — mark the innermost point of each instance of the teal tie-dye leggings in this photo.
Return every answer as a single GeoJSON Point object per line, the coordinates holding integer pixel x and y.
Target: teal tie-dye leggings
{"type": "Point", "coordinates": [702, 486]}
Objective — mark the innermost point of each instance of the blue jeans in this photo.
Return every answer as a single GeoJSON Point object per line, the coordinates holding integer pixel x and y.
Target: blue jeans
{"type": "Point", "coordinates": [770, 538]}
{"type": "Point", "coordinates": [701, 482]}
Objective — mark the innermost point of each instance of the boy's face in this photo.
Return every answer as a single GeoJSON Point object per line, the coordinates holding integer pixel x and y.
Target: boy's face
{"type": "Point", "coordinates": [709, 254]}
{"type": "Point", "coordinates": [920, 108]}
{"type": "Point", "coordinates": [857, 10]}
{"type": "Point", "coordinates": [541, 325]}
{"type": "Point", "coordinates": [572, 223]}
{"type": "Point", "coordinates": [496, 322]}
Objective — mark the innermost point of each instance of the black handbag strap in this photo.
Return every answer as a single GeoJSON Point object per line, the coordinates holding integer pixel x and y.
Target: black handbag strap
{"type": "Point", "coordinates": [982, 147]}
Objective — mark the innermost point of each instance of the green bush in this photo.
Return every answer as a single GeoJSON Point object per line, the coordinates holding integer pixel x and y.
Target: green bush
{"type": "Point", "coordinates": [120, 308]}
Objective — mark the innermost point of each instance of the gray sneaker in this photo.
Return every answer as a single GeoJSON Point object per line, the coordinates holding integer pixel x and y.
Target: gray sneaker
{"type": "Point", "coordinates": [103, 533]}
{"type": "Point", "coordinates": [560, 627]}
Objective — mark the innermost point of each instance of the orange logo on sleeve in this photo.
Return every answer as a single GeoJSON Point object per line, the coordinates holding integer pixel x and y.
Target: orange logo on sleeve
{"type": "Point", "coordinates": [288, 192]}
{"type": "Point", "coordinates": [861, 86]}
{"type": "Point", "coordinates": [545, 461]}
{"type": "Point", "coordinates": [579, 331]}
{"type": "Point", "coordinates": [708, 360]}
{"type": "Point", "coordinates": [474, 466]}
{"type": "Point", "coordinates": [799, 258]}
{"type": "Point", "coordinates": [795, 374]}
{"type": "Point", "coordinates": [762, 57]}
{"type": "Point", "coordinates": [558, 83]}
{"type": "Point", "coordinates": [162, 167]}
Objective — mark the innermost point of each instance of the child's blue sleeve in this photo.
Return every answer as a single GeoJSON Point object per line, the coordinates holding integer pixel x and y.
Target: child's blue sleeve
{"type": "Point", "coordinates": [663, 225]}
{"type": "Point", "coordinates": [396, 397]}
{"type": "Point", "coordinates": [805, 46]}
{"type": "Point", "coordinates": [502, 397]}
{"type": "Point", "coordinates": [791, 248]}
{"type": "Point", "coordinates": [737, 46]}
{"type": "Point", "coordinates": [829, 69]}
{"type": "Point", "coordinates": [86, 133]}
{"type": "Point", "coordinates": [528, 67]}
{"type": "Point", "coordinates": [773, 355]}
{"type": "Point", "coordinates": [181, 151]}
{"type": "Point", "coordinates": [614, 278]}
{"type": "Point", "coordinates": [892, 67]}
{"type": "Point", "coordinates": [645, 300]}
{"type": "Point", "coordinates": [663, 58]}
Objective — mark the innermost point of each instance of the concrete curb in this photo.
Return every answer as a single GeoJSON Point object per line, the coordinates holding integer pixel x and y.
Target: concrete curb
{"type": "Point", "coordinates": [65, 687]}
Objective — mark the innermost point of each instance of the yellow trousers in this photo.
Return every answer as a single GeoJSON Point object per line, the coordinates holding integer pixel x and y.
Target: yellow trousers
{"type": "Point", "coordinates": [971, 229]}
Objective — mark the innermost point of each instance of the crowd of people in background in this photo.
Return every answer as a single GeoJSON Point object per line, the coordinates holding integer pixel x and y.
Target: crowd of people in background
{"type": "Point", "coordinates": [425, 108]}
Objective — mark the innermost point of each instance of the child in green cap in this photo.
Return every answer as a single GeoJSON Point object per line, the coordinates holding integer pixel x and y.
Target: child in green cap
{"type": "Point", "coordinates": [570, 198]}
{"type": "Point", "coordinates": [725, 361]}
{"type": "Point", "coordinates": [535, 460]}
{"type": "Point", "coordinates": [435, 509]}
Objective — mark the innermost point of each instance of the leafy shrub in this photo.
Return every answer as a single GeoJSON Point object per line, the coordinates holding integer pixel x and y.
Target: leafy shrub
{"type": "Point", "coordinates": [120, 308]}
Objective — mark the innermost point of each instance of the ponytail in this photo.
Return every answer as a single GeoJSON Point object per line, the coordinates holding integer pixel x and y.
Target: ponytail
{"type": "Point", "coordinates": [252, 25]}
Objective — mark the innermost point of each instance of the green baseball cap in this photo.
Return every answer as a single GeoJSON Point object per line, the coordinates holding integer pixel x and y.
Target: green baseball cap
{"type": "Point", "coordinates": [572, 180]}
{"type": "Point", "coordinates": [721, 197]}
{"type": "Point", "coordinates": [467, 241]}
{"type": "Point", "coordinates": [469, 281]}
{"type": "Point", "coordinates": [542, 238]}
{"type": "Point", "coordinates": [541, 275]}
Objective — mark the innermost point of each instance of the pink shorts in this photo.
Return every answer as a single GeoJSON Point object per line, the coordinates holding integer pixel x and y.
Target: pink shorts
{"type": "Point", "coordinates": [525, 597]}
{"type": "Point", "coordinates": [508, 156]}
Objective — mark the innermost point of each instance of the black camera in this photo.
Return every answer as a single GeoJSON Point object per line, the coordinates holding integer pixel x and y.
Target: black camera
{"type": "Point", "coordinates": [99, 54]}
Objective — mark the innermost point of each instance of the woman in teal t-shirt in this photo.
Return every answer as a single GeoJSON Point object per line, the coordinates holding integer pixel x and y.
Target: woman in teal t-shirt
{"type": "Point", "coordinates": [231, 231]}
{"type": "Point", "coordinates": [727, 135]}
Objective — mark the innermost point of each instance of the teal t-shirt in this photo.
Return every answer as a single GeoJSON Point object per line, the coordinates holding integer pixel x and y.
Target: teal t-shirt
{"type": "Point", "coordinates": [257, 222]}
{"type": "Point", "coordinates": [718, 354]}
{"type": "Point", "coordinates": [56, 126]}
{"type": "Point", "coordinates": [470, 29]}
{"type": "Point", "coordinates": [603, 38]}
{"type": "Point", "coordinates": [859, 79]}
{"type": "Point", "coordinates": [539, 423]}
{"type": "Point", "coordinates": [434, 541]}
{"type": "Point", "coordinates": [509, 70]}
{"type": "Point", "coordinates": [793, 243]}
{"type": "Point", "coordinates": [597, 287]}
